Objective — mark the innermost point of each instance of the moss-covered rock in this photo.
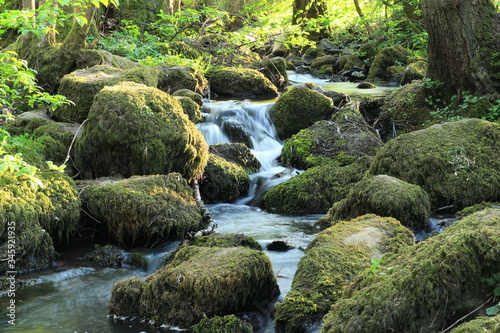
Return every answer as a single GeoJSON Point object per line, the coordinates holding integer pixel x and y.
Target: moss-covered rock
{"type": "Point", "coordinates": [237, 153]}
{"type": "Point", "coordinates": [82, 85]}
{"type": "Point", "coordinates": [226, 240]}
{"type": "Point", "coordinates": [216, 324]}
{"type": "Point", "coordinates": [133, 129]}
{"type": "Point", "coordinates": [385, 196]}
{"type": "Point", "coordinates": [325, 60]}
{"type": "Point", "coordinates": [442, 274]}
{"type": "Point", "coordinates": [387, 57]}
{"type": "Point", "coordinates": [27, 122]}
{"type": "Point", "coordinates": [343, 139]}
{"type": "Point", "coordinates": [299, 108]}
{"type": "Point", "coordinates": [194, 96]}
{"type": "Point", "coordinates": [141, 210]}
{"type": "Point", "coordinates": [349, 61]}
{"type": "Point", "coordinates": [315, 190]}
{"type": "Point", "coordinates": [241, 83]}
{"type": "Point", "coordinates": [331, 261]}
{"type": "Point", "coordinates": [175, 78]}
{"type": "Point", "coordinates": [56, 139]}
{"type": "Point", "coordinates": [312, 53]}
{"type": "Point", "coordinates": [199, 282]}
{"type": "Point", "coordinates": [190, 108]}
{"type": "Point", "coordinates": [414, 71]}
{"type": "Point", "coordinates": [456, 163]}
{"type": "Point", "coordinates": [275, 70]}
{"type": "Point", "coordinates": [223, 180]}
{"type": "Point", "coordinates": [34, 219]}
{"type": "Point", "coordinates": [339, 98]}
{"type": "Point", "coordinates": [106, 256]}
{"type": "Point", "coordinates": [481, 324]}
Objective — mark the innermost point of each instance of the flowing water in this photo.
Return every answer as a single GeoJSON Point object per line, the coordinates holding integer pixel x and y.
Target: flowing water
{"type": "Point", "coordinates": [73, 298]}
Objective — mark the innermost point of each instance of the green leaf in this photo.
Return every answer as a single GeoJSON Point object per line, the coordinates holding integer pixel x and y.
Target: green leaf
{"type": "Point", "coordinates": [81, 20]}
{"type": "Point", "coordinates": [493, 310]}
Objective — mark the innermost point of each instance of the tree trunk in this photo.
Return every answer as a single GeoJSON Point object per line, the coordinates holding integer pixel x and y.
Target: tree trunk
{"type": "Point", "coordinates": [173, 6]}
{"type": "Point", "coordinates": [304, 10]}
{"type": "Point", "coordinates": [463, 49]}
{"type": "Point", "coordinates": [358, 8]}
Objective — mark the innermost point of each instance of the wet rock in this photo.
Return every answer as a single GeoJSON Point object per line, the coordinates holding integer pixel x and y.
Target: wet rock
{"type": "Point", "coordinates": [385, 196]}
{"type": "Point", "coordinates": [331, 262]}
{"type": "Point", "coordinates": [279, 245]}
{"type": "Point", "coordinates": [133, 129]}
{"type": "Point", "coordinates": [455, 163]}
{"type": "Point", "coordinates": [406, 290]}
{"type": "Point", "coordinates": [365, 85]}
{"type": "Point", "coordinates": [339, 98]}
{"type": "Point", "coordinates": [241, 83]}
{"type": "Point", "coordinates": [107, 256]}
{"type": "Point", "coordinates": [237, 131]}
{"type": "Point", "coordinates": [237, 153]}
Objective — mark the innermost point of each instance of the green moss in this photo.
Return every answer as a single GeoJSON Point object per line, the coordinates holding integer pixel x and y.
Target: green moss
{"type": "Point", "coordinates": [230, 240]}
{"type": "Point", "coordinates": [141, 11]}
{"type": "Point", "coordinates": [27, 122]}
{"type": "Point", "coordinates": [385, 196]}
{"type": "Point", "coordinates": [180, 48]}
{"type": "Point", "coordinates": [387, 57]}
{"type": "Point", "coordinates": [237, 153]}
{"type": "Point", "coordinates": [347, 62]}
{"type": "Point", "coordinates": [195, 97]}
{"type": "Point", "coordinates": [275, 70]}
{"type": "Point", "coordinates": [82, 85]}
{"type": "Point", "coordinates": [478, 207]}
{"type": "Point", "coordinates": [175, 78]}
{"type": "Point", "coordinates": [440, 275]}
{"type": "Point", "coordinates": [299, 108]}
{"type": "Point", "coordinates": [481, 324]}
{"type": "Point", "coordinates": [414, 71]}
{"type": "Point", "coordinates": [190, 108]}
{"type": "Point", "coordinates": [341, 140]}
{"type": "Point", "coordinates": [241, 82]}
{"type": "Point", "coordinates": [106, 256]}
{"type": "Point", "coordinates": [315, 190]}
{"type": "Point", "coordinates": [200, 282]}
{"type": "Point", "coordinates": [223, 180]}
{"type": "Point", "coordinates": [368, 50]}
{"type": "Point", "coordinates": [142, 210]}
{"type": "Point", "coordinates": [324, 60]}
{"type": "Point", "coordinates": [225, 324]}
{"type": "Point", "coordinates": [56, 139]}
{"type": "Point", "coordinates": [331, 261]}
{"type": "Point", "coordinates": [456, 163]}
{"type": "Point", "coordinates": [136, 130]}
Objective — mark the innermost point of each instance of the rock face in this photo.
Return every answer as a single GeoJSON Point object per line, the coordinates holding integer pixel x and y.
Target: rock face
{"type": "Point", "coordinates": [141, 210]}
{"type": "Point", "coordinates": [198, 282]}
{"type": "Point", "coordinates": [455, 163]}
{"type": "Point", "coordinates": [82, 85]}
{"type": "Point", "coordinates": [343, 139]}
{"type": "Point", "coordinates": [36, 218]}
{"type": "Point", "coordinates": [385, 196]}
{"type": "Point", "coordinates": [240, 82]}
{"type": "Point", "coordinates": [315, 190]}
{"type": "Point", "coordinates": [410, 287]}
{"type": "Point", "coordinates": [223, 180]}
{"type": "Point", "coordinates": [133, 129]}
{"type": "Point", "coordinates": [299, 108]}
{"type": "Point", "coordinates": [331, 261]}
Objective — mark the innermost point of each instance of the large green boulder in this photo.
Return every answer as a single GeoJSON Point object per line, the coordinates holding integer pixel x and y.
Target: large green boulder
{"type": "Point", "coordinates": [385, 196]}
{"type": "Point", "coordinates": [342, 139]}
{"type": "Point", "coordinates": [142, 210]}
{"type": "Point", "coordinates": [331, 261]}
{"type": "Point", "coordinates": [223, 180]}
{"type": "Point", "coordinates": [315, 190]}
{"type": "Point", "coordinates": [299, 108]}
{"type": "Point", "coordinates": [237, 153]}
{"type": "Point", "coordinates": [133, 129]}
{"type": "Point", "coordinates": [172, 79]}
{"type": "Point", "coordinates": [33, 219]}
{"type": "Point", "coordinates": [57, 138]}
{"type": "Point", "coordinates": [82, 85]}
{"type": "Point", "coordinates": [198, 282]}
{"type": "Point", "coordinates": [241, 83]}
{"type": "Point", "coordinates": [387, 57]}
{"type": "Point", "coordinates": [456, 163]}
{"type": "Point", "coordinates": [442, 275]}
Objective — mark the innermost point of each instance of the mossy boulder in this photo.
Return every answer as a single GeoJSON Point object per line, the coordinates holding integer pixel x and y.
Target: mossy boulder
{"type": "Point", "coordinates": [241, 83]}
{"type": "Point", "coordinates": [82, 85]}
{"type": "Point", "coordinates": [443, 274]}
{"type": "Point", "coordinates": [27, 122]}
{"type": "Point", "coordinates": [275, 70]}
{"type": "Point", "coordinates": [315, 190]}
{"type": "Point", "coordinates": [342, 140]}
{"type": "Point", "coordinates": [414, 71]}
{"type": "Point", "coordinates": [175, 78]}
{"type": "Point", "coordinates": [36, 218]}
{"type": "Point", "coordinates": [237, 153]}
{"type": "Point", "coordinates": [223, 180]}
{"type": "Point", "coordinates": [199, 282]}
{"type": "Point", "coordinates": [387, 57]}
{"type": "Point", "coordinates": [216, 324]}
{"type": "Point", "coordinates": [332, 261]}
{"type": "Point", "coordinates": [456, 163]}
{"type": "Point", "coordinates": [299, 108]}
{"type": "Point", "coordinates": [142, 210]}
{"type": "Point", "coordinates": [227, 240]}
{"type": "Point", "coordinates": [133, 129]}
{"type": "Point", "coordinates": [481, 324]}
{"type": "Point", "coordinates": [339, 98]}
{"type": "Point", "coordinates": [106, 256]}
{"type": "Point", "coordinates": [385, 196]}
{"type": "Point", "coordinates": [329, 60]}
{"type": "Point", "coordinates": [349, 61]}
{"type": "Point", "coordinates": [194, 96]}
{"type": "Point", "coordinates": [190, 108]}
{"type": "Point", "coordinates": [56, 138]}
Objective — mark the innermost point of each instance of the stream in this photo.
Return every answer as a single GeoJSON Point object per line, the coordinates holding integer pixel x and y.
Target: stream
{"type": "Point", "coordinates": [71, 298]}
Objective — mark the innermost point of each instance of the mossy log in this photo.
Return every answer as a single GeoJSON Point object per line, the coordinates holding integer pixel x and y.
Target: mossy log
{"type": "Point", "coordinates": [331, 261]}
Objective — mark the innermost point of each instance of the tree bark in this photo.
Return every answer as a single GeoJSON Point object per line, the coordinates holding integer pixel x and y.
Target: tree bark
{"type": "Point", "coordinates": [358, 8]}
{"type": "Point", "coordinates": [307, 9]}
{"type": "Point", "coordinates": [463, 49]}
